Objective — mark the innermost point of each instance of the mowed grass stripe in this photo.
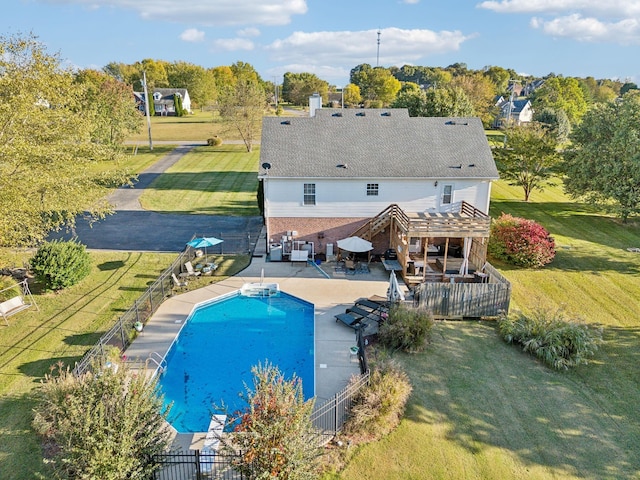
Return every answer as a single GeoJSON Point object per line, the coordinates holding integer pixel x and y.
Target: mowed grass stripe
{"type": "Point", "coordinates": [208, 180]}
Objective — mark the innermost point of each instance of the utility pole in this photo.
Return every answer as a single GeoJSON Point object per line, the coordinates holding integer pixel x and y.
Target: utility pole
{"type": "Point", "coordinates": [146, 107]}
{"type": "Point", "coordinates": [275, 87]}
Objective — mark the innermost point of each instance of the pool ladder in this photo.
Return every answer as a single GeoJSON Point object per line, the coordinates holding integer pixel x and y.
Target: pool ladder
{"type": "Point", "coordinates": [158, 360]}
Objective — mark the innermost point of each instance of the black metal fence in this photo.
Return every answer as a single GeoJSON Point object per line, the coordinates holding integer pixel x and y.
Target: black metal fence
{"type": "Point", "coordinates": [328, 419]}
{"type": "Point", "coordinates": [194, 465]}
{"type": "Point", "coordinates": [122, 333]}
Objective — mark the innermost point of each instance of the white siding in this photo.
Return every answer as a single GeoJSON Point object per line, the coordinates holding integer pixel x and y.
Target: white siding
{"type": "Point", "coordinates": [348, 197]}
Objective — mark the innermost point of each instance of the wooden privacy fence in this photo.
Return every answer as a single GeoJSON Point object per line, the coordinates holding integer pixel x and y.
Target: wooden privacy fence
{"type": "Point", "coordinates": [457, 300]}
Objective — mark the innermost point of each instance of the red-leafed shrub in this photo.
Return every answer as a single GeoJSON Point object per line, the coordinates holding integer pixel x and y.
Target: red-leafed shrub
{"type": "Point", "coordinates": [521, 242]}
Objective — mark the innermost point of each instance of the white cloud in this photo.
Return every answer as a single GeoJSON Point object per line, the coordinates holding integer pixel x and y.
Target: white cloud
{"type": "Point", "coordinates": [233, 44]}
{"type": "Point", "coordinates": [249, 32]}
{"type": "Point", "coordinates": [610, 8]}
{"type": "Point", "coordinates": [591, 29]}
{"type": "Point", "coordinates": [218, 12]}
{"type": "Point", "coordinates": [397, 46]}
{"type": "Point", "coordinates": [411, 2]}
{"type": "Point", "coordinates": [192, 35]}
{"type": "Point", "coordinates": [613, 21]}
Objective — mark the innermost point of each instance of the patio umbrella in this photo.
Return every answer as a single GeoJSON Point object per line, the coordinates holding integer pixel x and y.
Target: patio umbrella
{"type": "Point", "coordinates": [394, 292]}
{"type": "Point", "coordinates": [204, 242]}
{"type": "Point", "coordinates": [355, 244]}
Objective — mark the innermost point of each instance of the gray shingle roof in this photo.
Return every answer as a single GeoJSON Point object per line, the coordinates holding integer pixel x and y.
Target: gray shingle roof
{"type": "Point", "coordinates": [375, 146]}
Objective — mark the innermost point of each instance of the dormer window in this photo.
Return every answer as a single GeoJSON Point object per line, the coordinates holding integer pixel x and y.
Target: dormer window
{"type": "Point", "coordinates": [157, 96]}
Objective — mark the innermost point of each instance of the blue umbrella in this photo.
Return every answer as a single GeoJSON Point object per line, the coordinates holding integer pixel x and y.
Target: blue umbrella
{"type": "Point", "coordinates": [204, 242]}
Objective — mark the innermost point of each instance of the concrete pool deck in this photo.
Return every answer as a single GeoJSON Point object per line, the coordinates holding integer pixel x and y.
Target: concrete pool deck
{"type": "Point", "coordinates": [334, 364]}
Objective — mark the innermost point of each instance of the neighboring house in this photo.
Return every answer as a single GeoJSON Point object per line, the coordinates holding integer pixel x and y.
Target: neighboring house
{"type": "Point", "coordinates": [531, 87]}
{"type": "Point", "coordinates": [417, 185]}
{"type": "Point", "coordinates": [515, 112]}
{"type": "Point", "coordinates": [164, 100]}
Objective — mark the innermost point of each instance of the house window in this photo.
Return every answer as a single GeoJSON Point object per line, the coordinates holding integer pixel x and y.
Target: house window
{"type": "Point", "coordinates": [447, 194]}
{"type": "Point", "coordinates": [372, 189]}
{"type": "Point", "coordinates": [309, 194]}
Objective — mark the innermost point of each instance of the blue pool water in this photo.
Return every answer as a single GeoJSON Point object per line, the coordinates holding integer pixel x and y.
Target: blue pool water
{"type": "Point", "coordinates": [220, 343]}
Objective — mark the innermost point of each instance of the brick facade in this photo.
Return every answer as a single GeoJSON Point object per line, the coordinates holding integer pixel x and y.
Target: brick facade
{"type": "Point", "coordinates": [318, 230]}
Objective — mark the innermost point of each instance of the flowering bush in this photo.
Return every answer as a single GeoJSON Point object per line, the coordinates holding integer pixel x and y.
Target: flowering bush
{"type": "Point", "coordinates": [521, 242]}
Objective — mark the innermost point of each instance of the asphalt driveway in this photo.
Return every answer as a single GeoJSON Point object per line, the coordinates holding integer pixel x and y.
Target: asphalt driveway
{"type": "Point", "coordinates": [131, 228]}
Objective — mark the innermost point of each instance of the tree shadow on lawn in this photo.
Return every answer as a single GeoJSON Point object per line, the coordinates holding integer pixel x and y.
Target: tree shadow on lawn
{"type": "Point", "coordinates": [487, 394]}
{"type": "Point", "coordinates": [39, 368]}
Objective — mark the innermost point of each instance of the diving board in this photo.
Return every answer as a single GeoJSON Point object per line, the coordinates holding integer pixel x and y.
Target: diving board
{"type": "Point", "coordinates": [211, 443]}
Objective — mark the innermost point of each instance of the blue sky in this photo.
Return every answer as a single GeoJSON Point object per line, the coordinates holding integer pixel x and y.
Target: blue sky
{"type": "Point", "coordinates": [329, 37]}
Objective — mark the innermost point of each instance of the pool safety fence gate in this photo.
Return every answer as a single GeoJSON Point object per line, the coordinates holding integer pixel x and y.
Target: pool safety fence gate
{"type": "Point", "coordinates": [194, 465]}
{"type": "Point", "coordinates": [328, 419]}
{"type": "Point", "coordinates": [123, 332]}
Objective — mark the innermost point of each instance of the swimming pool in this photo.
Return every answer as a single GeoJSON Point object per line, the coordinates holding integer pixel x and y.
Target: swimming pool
{"type": "Point", "coordinates": [219, 344]}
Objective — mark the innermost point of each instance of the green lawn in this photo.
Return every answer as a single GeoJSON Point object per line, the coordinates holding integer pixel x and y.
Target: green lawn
{"type": "Point", "coordinates": [65, 327]}
{"type": "Point", "coordinates": [198, 126]}
{"type": "Point", "coordinates": [208, 180]}
{"type": "Point", "coordinates": [482, 409]}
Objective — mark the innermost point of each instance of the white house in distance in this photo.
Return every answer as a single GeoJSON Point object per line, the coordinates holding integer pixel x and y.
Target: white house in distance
{"type": "Point", "coordinates": [413, 184]}
{"type": "Point", "coordinates": [164, 100]}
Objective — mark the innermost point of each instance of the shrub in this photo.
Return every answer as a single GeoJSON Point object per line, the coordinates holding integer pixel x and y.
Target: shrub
{"type": "Point", "coordinates": [406, 328]}
{"type": "Point", "coordinates": [558, 342]}
{"type": "Point", "coordinates": [276, 436]}
{"type": "Point", "coordinates": [378, 407]}
{"type": "Point", "coordinates": [521, 242]}
{"type": "Point", "coordinates": [214, 142]}
{"type": "Point", "coordinates": [59, 264]}
{"type": "Point", "coordinates": [104, 425]}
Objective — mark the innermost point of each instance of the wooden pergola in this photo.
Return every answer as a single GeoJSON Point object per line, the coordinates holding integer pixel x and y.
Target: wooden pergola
{"type": "Point", "coordinates": [404, 228]}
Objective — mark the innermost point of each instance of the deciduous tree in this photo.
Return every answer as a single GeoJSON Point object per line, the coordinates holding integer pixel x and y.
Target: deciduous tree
{"type": "Point", "coordinates": [198, 81]}
{"type": "Point", "coordinates": [528, 158]}
{"type": "Point", "coordinates": [48, 155]}
{"type": "Point", "coordinates": [109, 103]}
{"type": "Point", "coordinates": [561, 93]}
{"type": "Point", "coordinates": [298, 87]}
{"type": "Point", "coordinates": [603, 165]}
{"type": "Point", "coordinates": [242, 105]}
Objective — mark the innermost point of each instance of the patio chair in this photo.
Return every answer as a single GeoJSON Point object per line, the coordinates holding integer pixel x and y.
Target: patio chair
{"type": "Point", "coordinates": [178, 283]}
{"type": "Point", "coordinates": [350, 266]}
{"type": "Point", "coordinates": [190, 270]}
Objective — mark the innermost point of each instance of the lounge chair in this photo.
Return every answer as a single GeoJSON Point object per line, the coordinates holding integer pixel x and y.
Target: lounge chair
{"type": "Point", "coordinates": [177, 282]}
{"type": "Point", "coordinates": [371, 305]}
{"type": "Point", "coordinates": [362, 312]}
{"type": "Point", "coordinates": [190, 271]}
{"type": "Point", "coordinates": [350, 319]}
